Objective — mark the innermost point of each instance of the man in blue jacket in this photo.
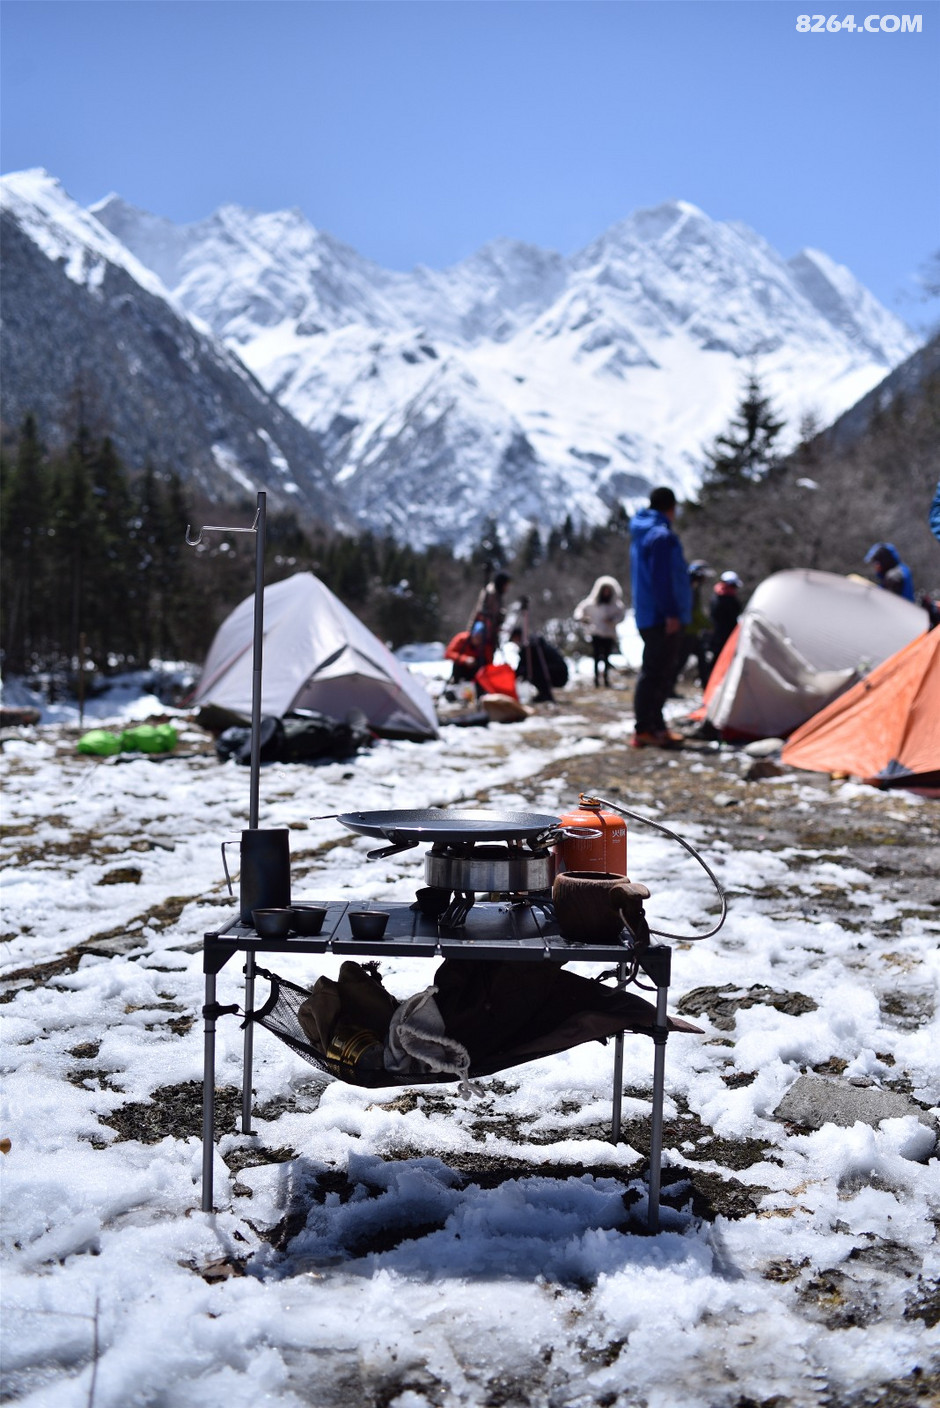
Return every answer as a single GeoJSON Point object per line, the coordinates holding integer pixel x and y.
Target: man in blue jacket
{"type": "Point", "coordinates": [662, 606]}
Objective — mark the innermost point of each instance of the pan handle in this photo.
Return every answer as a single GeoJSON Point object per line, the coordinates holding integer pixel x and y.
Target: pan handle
{"type": "Point", "coordinates": [554, 834]}
{"type": "Point", "coordinates": [392, 850]}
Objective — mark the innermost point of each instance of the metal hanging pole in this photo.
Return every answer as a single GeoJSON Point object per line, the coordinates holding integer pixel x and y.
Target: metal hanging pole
{"type": "Point", "coordinates": [208, 1095]}
{"type": "Point", "coordinates": [258, 528]}
{"type": "Point", "coordinates": [208, 1090]}
{"type": "Point", "coordinates": [256, 675]}
{"type": "Point", "coordinates": [260, 524]}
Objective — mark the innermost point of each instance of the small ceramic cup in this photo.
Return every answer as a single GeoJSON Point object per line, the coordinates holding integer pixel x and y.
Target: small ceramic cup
{"type": "Point", "coordinates": [307, 919]}
{"type": "Point", "coordinates": [272, 923]}
{"type": "Point", "coordinates": [367, 923]}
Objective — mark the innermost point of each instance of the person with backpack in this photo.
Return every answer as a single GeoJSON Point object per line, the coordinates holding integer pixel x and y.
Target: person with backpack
{"type": "Point", "coordinates": [662, 607]}
{"type": "Point", "coordinates": [488, 617]}
{"type": "Point", "coordinates": [600, 613]}
{"type": "Point", "coordinates": [890, 572]}
{"type": "Point", "coordinates": [539, 663]}
{"type": "Point", "coordinates": [724, 609]}
{"type": "Point", "coordinates": [696, 636]}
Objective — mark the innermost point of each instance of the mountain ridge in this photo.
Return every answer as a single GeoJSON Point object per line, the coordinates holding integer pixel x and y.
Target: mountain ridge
{"type": "Point", "coordinates": [518, 384]}
{"type": "Point", "coordinates": [80, 320]}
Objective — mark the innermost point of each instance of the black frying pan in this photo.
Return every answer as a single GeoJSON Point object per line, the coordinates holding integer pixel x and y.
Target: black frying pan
{"type": "Point", "coordinates": [435, 824]}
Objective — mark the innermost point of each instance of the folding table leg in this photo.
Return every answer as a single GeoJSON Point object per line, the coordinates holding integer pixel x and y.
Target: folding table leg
{"type": "Point", "coordinates": [249, 1042]}
{"type": "Point", "coordinates": [617, 1102]}
{"type": "Point", "coordinates": [208, 1096]}
{"type": "Point", "coordinates": [660, 1033]}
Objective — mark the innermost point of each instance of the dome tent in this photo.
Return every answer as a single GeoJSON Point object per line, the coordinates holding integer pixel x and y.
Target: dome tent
{"type": "Point", "coordinates": [317, 656]}
{"type": "Point", "coordinates": [804, 637]}
{"type": "Point", "coordinates": [885, 730]}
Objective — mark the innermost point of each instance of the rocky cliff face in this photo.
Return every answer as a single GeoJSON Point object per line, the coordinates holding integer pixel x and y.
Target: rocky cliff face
{"type": "Point", "coordinates": [87, 331]}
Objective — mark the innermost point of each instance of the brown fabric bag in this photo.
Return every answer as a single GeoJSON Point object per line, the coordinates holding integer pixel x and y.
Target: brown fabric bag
{"type": "Point", "coordinates": [346, 1019]}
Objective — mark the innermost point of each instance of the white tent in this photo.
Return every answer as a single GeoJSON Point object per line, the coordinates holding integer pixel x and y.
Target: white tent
{"type": "Point", "coordinates": [317, 655]}
{"type": "Point", "coordinates": [804, 637]}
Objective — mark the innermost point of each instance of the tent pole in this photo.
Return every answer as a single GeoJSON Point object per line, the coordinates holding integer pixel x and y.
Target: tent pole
{"type": "Point", "coordinates": [256, 663]}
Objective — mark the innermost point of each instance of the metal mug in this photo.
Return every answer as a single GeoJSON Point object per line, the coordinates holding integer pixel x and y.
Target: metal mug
{"type": "Point", "coordinates": [264, 882]}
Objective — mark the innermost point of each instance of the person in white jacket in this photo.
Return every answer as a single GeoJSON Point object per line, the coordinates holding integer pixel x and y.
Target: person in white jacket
{"type": "Point", "coordinates": [600, 613]}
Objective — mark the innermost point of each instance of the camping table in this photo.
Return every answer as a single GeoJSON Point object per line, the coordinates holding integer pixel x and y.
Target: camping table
{"type": "Point", "coordinates": [495, 931]}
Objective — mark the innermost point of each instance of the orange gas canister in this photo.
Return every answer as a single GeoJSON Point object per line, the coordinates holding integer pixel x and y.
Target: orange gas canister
{"type": "Point", "coordinates": [591, 839]}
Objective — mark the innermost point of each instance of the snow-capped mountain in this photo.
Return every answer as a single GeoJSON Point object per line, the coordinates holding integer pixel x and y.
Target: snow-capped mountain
{"type": "Point", "coordinates": [83, 319]}
{"type": "Point", "coordinates": [519, 384]}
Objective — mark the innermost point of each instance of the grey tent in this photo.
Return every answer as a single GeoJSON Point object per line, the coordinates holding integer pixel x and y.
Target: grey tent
{"type": "Point", "coordinates": [804, 637]}
{"type": "Point", "coordinates": [317, 655]}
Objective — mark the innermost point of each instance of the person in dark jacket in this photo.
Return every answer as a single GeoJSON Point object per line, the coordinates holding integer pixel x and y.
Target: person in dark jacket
{"type": "Point", "coordinates": [724, 609]}
{"type": "Point", "coordinates": [662, 606]}
{"type": "Point", "coordinates": [695, 639]}
{"type": "Point", "coordinates": [539, 663]}
{"type": "Point", "coordinates": [890, 572]}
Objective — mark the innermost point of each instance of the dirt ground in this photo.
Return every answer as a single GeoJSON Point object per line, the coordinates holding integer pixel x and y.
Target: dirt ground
{"type": "Point", "coordinates": [758, 804]}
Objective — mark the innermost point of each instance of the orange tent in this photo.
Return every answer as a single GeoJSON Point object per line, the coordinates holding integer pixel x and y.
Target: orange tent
{"type": "Point", "coordinates": [886, 728]}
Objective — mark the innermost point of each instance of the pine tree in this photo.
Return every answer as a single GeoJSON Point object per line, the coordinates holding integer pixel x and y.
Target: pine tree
{"type": "Point", "coordinates": [489, 552]}
{"type": "Point", "coordinates": [531, 551]}
{"type": "Point", "coordinates": [746, 450]}
{"type": "Point", "coordinates": [23, 562]}
{"type": "Point", "coordinates": [112, 597]}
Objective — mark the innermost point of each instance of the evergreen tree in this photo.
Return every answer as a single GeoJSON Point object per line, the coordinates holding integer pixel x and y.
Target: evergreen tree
{"type": "Point", "coordinates": [161, 586]}
{"type": "Point", "coordinates": [618, 524]}
{"type": "Point", "coordinates": [72, 534]}
{"type": "Point", "coordinates": [112, 604]}
{"type": "Point", "coordinates": [746, 450]}
{"type": "Point", "coordinates": [23, 561]}
{"type": "Point", "coordinates": [531, 552]}
{"type": "Point", "coordinates": [489, 552]}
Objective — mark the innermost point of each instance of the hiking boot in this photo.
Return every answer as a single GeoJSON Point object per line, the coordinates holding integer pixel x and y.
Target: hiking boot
{"type": "Point", "coordinates": [660, 738]}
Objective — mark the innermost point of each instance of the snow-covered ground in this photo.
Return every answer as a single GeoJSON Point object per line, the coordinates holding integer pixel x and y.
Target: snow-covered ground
{"type": "Point", "coordinates": [353, 1259]}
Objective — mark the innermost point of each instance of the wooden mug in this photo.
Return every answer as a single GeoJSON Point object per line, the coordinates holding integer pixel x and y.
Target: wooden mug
{"type": "Point", "coordinates": [590, 904]}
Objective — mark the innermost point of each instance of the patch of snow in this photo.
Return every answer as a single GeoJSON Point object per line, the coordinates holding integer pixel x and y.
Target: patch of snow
{"type": "Point", "coordinates": [536, 1281]}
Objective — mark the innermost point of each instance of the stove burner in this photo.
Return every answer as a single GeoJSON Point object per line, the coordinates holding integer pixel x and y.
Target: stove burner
{"type": "Point", "coordinates": [502, 870]}
{"type": "Point", "coordinates": [465, 870]}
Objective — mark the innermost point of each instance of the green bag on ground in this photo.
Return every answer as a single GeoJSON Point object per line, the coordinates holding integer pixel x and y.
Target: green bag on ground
{"type": "Point", "coordinates": [149, 738]}
{"type": "Point", "coordinates": [99, 742]}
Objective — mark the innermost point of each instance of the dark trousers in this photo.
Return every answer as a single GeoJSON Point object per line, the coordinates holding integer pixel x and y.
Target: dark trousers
{"type": "Point", "coordinates": [601, 647]}
{"type": "Point", "coordinates": [692, 643]}
{"type": "Point", "coordinates": [657, 672]}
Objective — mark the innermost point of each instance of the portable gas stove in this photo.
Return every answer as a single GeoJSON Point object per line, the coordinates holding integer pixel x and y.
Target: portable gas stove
{"type": "Point", "coordinates": [499, 855]}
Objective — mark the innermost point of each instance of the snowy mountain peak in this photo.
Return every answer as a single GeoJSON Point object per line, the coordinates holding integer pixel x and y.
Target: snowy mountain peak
{"type": "Point", "coordinates": [847, 305]}
{"type": "Point", "coordinates": [157, 242]}
{"type": "Point", "coordinates": [516, 383]}
{"type": "Point", "coordinates": [662, 220]}
{"type": "Point", "coordinates": [68, 233]}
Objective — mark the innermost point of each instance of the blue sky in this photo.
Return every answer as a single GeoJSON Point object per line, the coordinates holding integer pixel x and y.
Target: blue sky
{"type": "Point", "coordinates": [418, 131]}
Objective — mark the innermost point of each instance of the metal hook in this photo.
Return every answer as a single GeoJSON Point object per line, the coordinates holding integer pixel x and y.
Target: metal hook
{"type": "Point", "coordinates": [218, 528]}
